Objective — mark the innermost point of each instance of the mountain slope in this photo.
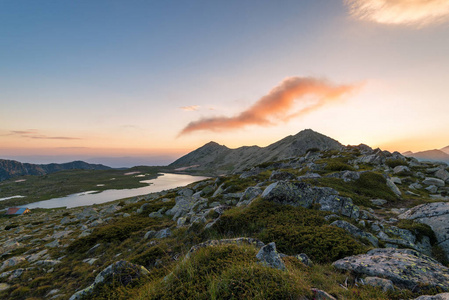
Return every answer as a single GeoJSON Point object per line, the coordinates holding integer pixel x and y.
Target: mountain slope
{"type": "Point", "coordinates": [217, 159]}
{"type": "Point", "coordinates": [12, 168]}
{"type": "Point", "coordinates": [432, 155]}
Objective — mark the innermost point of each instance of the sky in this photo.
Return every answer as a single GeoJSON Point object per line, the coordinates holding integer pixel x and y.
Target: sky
{"type": "Point", "coordinates": [149, 81]}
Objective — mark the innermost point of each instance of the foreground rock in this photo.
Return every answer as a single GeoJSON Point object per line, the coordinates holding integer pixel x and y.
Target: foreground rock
{"type": "Point", "coordinates": [269, 256]}
{"type": "Point", "coordinates": [436, 215]}
{"type": "Point", "coordinates": [121, 272]}
{"type": "Point", "coordinates": [305, 195]}
{"type": "Point", "coordinates": [404, 267]}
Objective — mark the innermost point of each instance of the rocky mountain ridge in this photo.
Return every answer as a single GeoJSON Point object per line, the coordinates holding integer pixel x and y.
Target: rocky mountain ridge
{"type": "Point", "coordinates": [217, 159]}
{"type": "Point", "coordinates": [12, 168]}
{"type": "Point", "coordinates": [432, 155]}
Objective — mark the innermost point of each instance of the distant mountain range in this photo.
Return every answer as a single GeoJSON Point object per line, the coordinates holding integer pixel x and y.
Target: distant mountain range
{"type": "Point", "coordinates": [12, 168]}
{"type": "Point", "coordinates": [431, 155]}
{"type": "Point", "coordinates": [216, 159]}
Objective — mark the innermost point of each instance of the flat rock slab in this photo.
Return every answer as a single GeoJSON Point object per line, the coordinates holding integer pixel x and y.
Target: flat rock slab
{"type": "Point", "coordinates": [404, 267]}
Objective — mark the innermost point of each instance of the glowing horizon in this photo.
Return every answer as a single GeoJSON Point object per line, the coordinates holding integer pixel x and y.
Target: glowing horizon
{"type": "Point", "coordinates": [115, 80]}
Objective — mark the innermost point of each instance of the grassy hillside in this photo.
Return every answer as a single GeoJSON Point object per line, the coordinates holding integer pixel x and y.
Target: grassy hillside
{"type": "Point", "coordinates": [59, 184]}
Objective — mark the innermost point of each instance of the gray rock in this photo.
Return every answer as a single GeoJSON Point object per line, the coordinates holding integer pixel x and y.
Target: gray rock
{"type": "Point", "coordinates": [401, 170]}
{"type": "Point", "coordinates": [432, 189]}
{"type": "Point", "coordinates": [248, 195]}
{"type": "Point", "coordinates": [393, 187]}
{"type": "Point", "coordinates": [309, 176]}
{"type": "Point", "coordinates": [321, 295]}
{"type": "Point", "coordinates": [436, 215]}
{"type": "Point", "coordinates": [110, 209]}
{"type": "Point", "coordinates": [442, 174]}
{"type": "Point", "coordinates": [186, 192]}
{"type": "Point", "coordinates": [121, 272]}
{"type": "Point", "coordinates": [404, 267]}
{"type": "Point", "coordinates": [433, 181]}
{"type": "Point", "coordinates": [415, 186]}
{"type": "Point", "coordinates": [442, 296]}
{"type": "Point", "coordinates": [279, 175]}
{"type": "Point", "coordinates": [163, 233]}
{"type": "Point", "coordinates": [303, 194]}
{"type": "Point", "coordinates": [385, 284]}
{"type": "Point", "coordinates": [302, 257]}
{"type": "Point", "coordinates": [4, 286]}
{"type": "Point", "coordinates": [356, 232]}
{"type": "Point", "coordinates": [396, 180]}
{"type": "Point", "coordinates": [269, 256]}
{"type": "Point", "coordinates": [378, 202]}
{"type": "Point", "coordinates": [149, 235]}
{"type": "Point", "coordinates": [53, 244]}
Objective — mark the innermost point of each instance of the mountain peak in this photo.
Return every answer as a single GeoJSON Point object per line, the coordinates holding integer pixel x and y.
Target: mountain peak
{"type": "Point", "coordinates": [218, 159]}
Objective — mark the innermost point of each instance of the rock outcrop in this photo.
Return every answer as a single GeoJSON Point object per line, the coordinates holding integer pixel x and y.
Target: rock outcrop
{"type": "Point", "coordinates": [436, 215]}
{"type": "Point", "coordinates": [404, 267]}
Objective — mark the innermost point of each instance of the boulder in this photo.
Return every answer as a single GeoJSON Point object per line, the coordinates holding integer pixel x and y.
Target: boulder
{"type": "Point", "coordinates": [279, 175]}
{"type": "Point", "coordinates": [393, 187]}
{"type": "Point", "coordinates": [378, 202]}
{"type": "Point", "coordinates": [268, 255]}
{"type": "Point", "coordinates": [442, 174]}
{"type": "Point", "coordinates": [404, 267]}
{"type": "Point", "coordinates": [436, 215]}
{"type": "Point", "coordinates": [118, 273]}
{"type": "Point", "coordinates": [321, 295]}
{"type": "Point", "coordinates": [433, 181]}
{"type": "Point", "coordinates": [442, 296]}
{"type": "Point", "coordinates": [401, 170]}
{"type": "Point", "coordinates": [302, 257]}
{"type": "Point", "coordinates": [249, 195]}
{"type": "Point", "coordinates": [11, 262]}
{"type": "Point", "coordinates": [303, 194]}
{"type": "Point", "coordinates": [356, 232]}
{"type": "Point", "coordinates": [163, 233]}
{"type": "Point", "coordinates": [385, 284]}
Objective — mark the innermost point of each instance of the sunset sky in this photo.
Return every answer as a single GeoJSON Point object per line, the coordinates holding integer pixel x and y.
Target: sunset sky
{"type": "Point", "coordinates": [157, 79]}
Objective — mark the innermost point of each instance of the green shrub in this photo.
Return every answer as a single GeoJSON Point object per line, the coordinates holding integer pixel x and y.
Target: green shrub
{"type": "Point", "coordinates": [293, 229]}
{"type": "Point", "coordinates": [419, 229]}
{"type": "Point", "coordinates": [338, 166]}
{"type": "Point", "coordinates": [395, 162]}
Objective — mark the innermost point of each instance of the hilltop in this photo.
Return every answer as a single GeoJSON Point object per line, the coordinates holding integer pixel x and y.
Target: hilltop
{"type": "Point", "coordinates": [216, 159]}
{"type": "Point", "coordinates": [12, 168]}
{"type": "Point", "coordinates": [345, 223]}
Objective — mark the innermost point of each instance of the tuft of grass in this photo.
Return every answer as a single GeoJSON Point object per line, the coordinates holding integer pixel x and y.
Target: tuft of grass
{"type": "Point", "coordinates": [226, 272]}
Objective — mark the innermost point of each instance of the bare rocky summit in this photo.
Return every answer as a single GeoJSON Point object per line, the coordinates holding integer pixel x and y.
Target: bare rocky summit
{"type": "Point", "coordinates": [217, 159]}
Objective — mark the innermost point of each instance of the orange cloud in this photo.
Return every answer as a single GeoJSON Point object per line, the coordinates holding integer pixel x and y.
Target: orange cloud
{"type": "Point", "coordinates": [190, 108]}
{"type": "Point", "coordinates": [409, 12]}
{"type": "Point", "coordinates": [278, 105]}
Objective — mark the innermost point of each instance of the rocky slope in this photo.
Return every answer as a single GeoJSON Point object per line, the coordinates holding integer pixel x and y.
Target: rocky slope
{"type": "Point", "coordinates": [12, 168]}
{"type": "Point", "coordinates": [352, 223]}
{"type": "Point", "coordinates": [217, 159]}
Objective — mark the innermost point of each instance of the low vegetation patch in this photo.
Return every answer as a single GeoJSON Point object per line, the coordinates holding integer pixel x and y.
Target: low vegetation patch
{"type": "Point", "coordinates": [294, 230]}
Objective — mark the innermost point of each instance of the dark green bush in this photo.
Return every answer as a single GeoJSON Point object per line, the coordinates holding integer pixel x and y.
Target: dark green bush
{"type": "Point", "coordinates": [338, 166]}
{"type": "Point", "coordinates": [293, 229]}
{"type": "Point", "coordinates": [395, 162]}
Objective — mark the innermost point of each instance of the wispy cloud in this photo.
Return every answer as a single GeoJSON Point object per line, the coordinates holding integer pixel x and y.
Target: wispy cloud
{"type": "Point", "coordinates": [408, 12]}
{"type": "Point", "coordinates": [190, 108]}
{"type": "Point", "coordinates": [34, 134]}
{"type": "Point", "coordinates": [280, 104]}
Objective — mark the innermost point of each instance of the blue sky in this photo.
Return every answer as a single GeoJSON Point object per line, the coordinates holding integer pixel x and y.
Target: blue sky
{"type": "Point", "coordinates": [111, 78]}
